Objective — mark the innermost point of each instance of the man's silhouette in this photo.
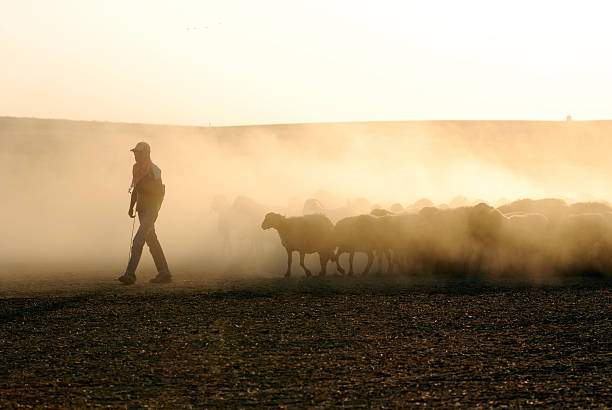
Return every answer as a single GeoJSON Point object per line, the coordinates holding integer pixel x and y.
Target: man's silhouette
{"type": "Point", "coordinates": [147, 194]}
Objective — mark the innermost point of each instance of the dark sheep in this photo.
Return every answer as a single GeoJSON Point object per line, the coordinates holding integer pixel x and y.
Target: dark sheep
{"type": "Point", "coordinates": [304, 234]}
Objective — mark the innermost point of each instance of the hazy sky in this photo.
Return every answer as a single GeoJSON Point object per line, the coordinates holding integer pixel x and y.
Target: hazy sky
{"type": "Point", "coordinates": [247, 62]}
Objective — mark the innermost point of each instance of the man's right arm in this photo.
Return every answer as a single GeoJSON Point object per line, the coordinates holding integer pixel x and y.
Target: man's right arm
{"type": "Point", "coordinates": [132, 203]}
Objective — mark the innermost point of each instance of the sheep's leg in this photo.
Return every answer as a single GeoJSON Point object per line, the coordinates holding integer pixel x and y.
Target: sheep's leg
{"type": "Point", "coordinates": [351, 256]}
{"type": "Point", "coordinates": [370, 260]}
{"type": "Point", "coordinates": [378, 256]}
{"type": "Point", "coordinates": [302, 264]}
{"type": "Point", "coordinates": [401, 260]}
{"type": "Point", "coordinates": [324, 258]}
{"type": "Point", "coordinates": [338, 267]}
{"type": "Point", "coordinates": [381, 254]}
{"type": "Point", "coordinates": [390, 260]}
{"type": "Point", "coordinates": [289, 260]}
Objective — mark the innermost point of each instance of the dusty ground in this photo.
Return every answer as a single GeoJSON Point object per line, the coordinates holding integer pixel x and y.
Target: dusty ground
{"type": "Point", "coordinates": [374, 342]}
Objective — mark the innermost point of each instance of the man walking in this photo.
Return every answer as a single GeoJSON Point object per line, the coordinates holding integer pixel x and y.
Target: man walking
{"type": "Point", "coordinates": [147, 194]}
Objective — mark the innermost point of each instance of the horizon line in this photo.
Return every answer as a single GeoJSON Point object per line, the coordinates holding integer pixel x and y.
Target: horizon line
{"type": "Point", "coordinates": [287, 123]}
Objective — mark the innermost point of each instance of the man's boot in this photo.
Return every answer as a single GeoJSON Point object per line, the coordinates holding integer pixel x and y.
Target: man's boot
{"type": "Point", "coordinates": [162, 278]}
{"type": "Point", "coordinates": [127, 279]}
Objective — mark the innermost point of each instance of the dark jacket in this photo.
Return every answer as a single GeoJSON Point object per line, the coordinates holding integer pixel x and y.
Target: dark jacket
{"type": "Point", "coordinates": [149, 192]}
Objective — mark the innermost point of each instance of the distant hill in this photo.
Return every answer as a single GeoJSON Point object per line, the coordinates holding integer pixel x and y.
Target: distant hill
{"type": "Point", "coordinates": [522, 146]}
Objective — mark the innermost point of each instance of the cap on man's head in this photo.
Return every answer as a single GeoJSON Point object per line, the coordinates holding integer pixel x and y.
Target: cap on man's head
{"type": "Point", "coordinates": [142, 146]}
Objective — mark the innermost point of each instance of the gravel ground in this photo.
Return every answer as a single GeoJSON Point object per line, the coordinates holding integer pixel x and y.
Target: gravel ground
{"type": "Point", "coordinates": [355, 342]}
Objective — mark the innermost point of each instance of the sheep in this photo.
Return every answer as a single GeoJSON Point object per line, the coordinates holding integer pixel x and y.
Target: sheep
{"type": "Point", "coordinates": [397, 208]}
{"type": "Point", "coordinates": [381, 212]}
{"type": "Point", "coordinates": [444, 240]}
{"type": "Point", "coordinates": [547, 235]}
{"type": "Point", "coordinates": [355, 234]}
{"type": "Point", "coordinates": [327, 198]}
{"type": "Point", "coordinates": [600, 253]}
{"type": "Point", "coordinates": [237, 224]}
{"type": "Point", "coordinates": [459, 202]}
{"type": "Point", "coordinates": [304, 234]}
{"type": "Point", "coordinates": [383, 227]}
{"type": "Point", "coordinates": [418, 205]}
{"type": "Point", "coordinates": [397, 239]}
{"type": "Point", "coordinates": [469, 239]}
{"type": "Point", "coordinates": [589, 208]}
{"type": "Point", "coordinates": [312, 207]}
{"type": "Point", "coordinates": [530, 236]}
{"type": "Point", "coordinates": [464, 238]}
{"type": "Point", "coordinates": [382, 234]}
{"type": "Point", "coordinates": [352, 208]}
{"type": "Point", "coordinates": [554, 209]}
{"type": "Point", "coordinates": [525, 240]}
{"type": "Point", "coordinates": [485, 225]}
{"type": "Point", "coordinates": [576, 238]}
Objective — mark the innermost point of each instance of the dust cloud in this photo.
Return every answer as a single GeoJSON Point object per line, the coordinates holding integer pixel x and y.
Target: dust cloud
{"type": "Point", "coordinates": [65, 200]}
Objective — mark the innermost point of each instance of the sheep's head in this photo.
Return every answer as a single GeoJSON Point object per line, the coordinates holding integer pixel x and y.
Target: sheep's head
{"type": "Point", "coordinates": [271, 220]}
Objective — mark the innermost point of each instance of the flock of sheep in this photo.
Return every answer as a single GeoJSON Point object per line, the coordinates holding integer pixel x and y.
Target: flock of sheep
{"type": "Point", "coordinates": [537, 237]}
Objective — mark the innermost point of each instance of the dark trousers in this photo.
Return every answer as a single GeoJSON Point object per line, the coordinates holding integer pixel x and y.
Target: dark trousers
{"type": "Point", "coordinates": [146, 234]}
